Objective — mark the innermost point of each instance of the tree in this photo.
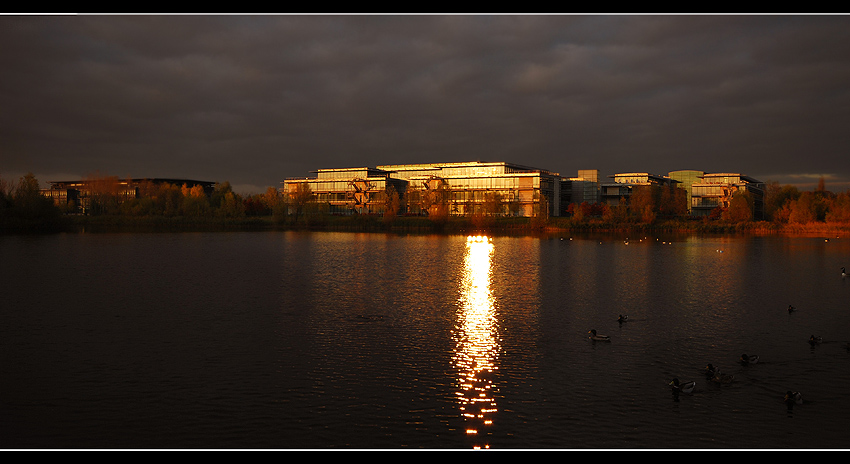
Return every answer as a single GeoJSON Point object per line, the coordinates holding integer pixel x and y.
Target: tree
{"type": "Point", "coordinates": [740, 207]}
{"type": "Point", "coordinates": [643, 203]}
{"type": "Point", "coordinates": [300, 195]}
{"type": "Point", "coordinates": [104, 194]}
{"type": "Point", "coordinates": [392, 204]}
{"type": "Point", "coordinates": [777, 199]}
{"type": "Point", "coordinates": [195, 202]}
{"type": "Point", "coordinates": [803, 210]}
{"type": "Point", "coordinates": [839, 212]}
{"type": "Point", "coordinates": [25, 207]}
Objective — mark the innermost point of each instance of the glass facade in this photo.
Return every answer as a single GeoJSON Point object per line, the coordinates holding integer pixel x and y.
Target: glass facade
{"type": "Point", "coordinates": [716, 190]}
{"type": "Point", "coordinates": [467, 188]}
{"type": "Point", "coordinates": [686, 180]}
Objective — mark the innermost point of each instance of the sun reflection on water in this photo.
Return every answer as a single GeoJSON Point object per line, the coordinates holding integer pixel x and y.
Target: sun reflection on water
{"type": "Point", "coordinates": [476, 338]}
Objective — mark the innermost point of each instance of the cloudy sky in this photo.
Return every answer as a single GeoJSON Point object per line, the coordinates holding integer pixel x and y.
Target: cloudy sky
{"type": "Point", "coordinates": [253, 100]}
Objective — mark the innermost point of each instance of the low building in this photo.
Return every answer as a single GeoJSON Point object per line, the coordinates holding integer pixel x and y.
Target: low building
{"type": "Point", "coordinates": [715, 190]}
{"type": "Point", "coordinates": [464, 188]}
{"type": "Point", "coordinates": [76, 195]}
{"type": "Point", "coordinates": [618, 192]}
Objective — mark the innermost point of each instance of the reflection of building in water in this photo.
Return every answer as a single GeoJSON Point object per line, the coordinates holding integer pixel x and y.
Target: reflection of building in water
{"type": "Point", "coordinates": [477, 348]}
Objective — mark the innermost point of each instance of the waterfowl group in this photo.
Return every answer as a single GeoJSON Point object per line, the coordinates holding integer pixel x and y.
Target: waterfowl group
{"type": "Point", "coordinates": [597, 337]}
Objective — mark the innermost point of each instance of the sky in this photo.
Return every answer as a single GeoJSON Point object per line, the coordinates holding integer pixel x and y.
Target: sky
{"type": "Point", "coordinates": [255, 99]}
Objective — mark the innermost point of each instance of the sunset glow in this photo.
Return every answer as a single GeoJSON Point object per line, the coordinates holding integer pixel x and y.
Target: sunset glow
{"type": "Point", "coordinates": [476, 336]}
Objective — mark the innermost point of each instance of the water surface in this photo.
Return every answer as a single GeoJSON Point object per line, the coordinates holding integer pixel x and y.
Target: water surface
{"type": "Point", "coordinates": [342, 340]}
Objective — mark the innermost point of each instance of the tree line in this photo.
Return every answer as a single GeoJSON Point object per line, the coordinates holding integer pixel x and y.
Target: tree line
{"type": "Point", "coordinates": [24, 207]}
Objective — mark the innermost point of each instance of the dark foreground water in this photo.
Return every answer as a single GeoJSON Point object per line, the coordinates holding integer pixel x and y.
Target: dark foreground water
{"type": "Point", "coordinates": [338, 340]}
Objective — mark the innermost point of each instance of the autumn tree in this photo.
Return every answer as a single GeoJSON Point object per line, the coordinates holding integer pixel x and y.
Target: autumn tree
{"type": "Point", "coordinates": [195, 202]}
{"type": "Point", "coordinates": [839, 212]}
{"type": "Point", "coordinates": [803, 210]}
{"type": "Point", "coordinates": [777, 199]}
{"type": "Point", "coordinates": [740, 207]}
{"type": "Point", "coordinates": [392, 204]}
{"type": "Point", "coordinates": [643, 203]}
{"type": "Point", "coordinates": [300, 195]}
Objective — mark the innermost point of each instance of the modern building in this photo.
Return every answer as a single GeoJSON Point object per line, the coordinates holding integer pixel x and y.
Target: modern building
{"type": "Point", "coordinates": [618, 192]}
{"type": "Point", "coordinates": [77, 194]}
{"type": "Point", "coordinates": [584, 188]}
{"type": "Point", "coordinates": [464, 188]}
{"type": "Point", "coordinates": [716, 190]}
{"type": "Point", "coordinates": [349, 190]}
{"type": "Point", "coordinates": [686, 179]}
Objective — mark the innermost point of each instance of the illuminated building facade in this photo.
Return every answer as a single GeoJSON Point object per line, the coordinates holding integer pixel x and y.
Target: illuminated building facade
{"type": "Point", "coordinates": [465, 188]}
{"type": "Point", "coordinates": [686, 179]}
{"type": "Point", "coordinates": [717, 189]}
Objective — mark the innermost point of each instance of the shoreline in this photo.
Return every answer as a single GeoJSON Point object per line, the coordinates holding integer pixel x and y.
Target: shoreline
{"type": "Point", "coordinates": [420, 225]}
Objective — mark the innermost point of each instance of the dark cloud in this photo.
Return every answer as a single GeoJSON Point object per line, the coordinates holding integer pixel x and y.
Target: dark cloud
{"type": "Point", "coordinates": [255, 99]}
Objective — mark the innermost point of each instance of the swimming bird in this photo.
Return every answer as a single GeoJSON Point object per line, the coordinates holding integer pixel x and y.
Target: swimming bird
{"type": "Point", "coordinates": [623, 318]}
{"type": "Point", "coordinates": [598, 337]}
{"type": "Point", "coordinates": [813, 340]}
{"type": "Point", "coordinates": [843, 272]}
{"type": "Point", "coordinates": [719, 377]}
{"type": "Point", "coordinates": [686, 387]}
{"type": "Point", "coordinates": [745, 359]}
{"type": "Point", "coordinates": [791, 309]}
{"type": "Point", "coordinates": [792, 398]}
{"type": "Point", "coordinates": [710, 370]}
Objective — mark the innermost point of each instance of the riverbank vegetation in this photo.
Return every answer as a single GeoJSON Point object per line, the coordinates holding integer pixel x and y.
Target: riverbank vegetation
{"type": "Point", "coordinates": [167, 207]}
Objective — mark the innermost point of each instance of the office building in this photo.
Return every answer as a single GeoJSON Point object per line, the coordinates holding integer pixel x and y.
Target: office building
{"type": "Point", "coordinates": [715, 190]}
{"type": "Point", "coordinates": [464, 188]}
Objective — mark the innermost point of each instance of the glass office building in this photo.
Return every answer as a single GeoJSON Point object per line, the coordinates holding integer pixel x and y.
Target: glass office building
{"type": "Point", "coordinates": [687, 179]}
{"type": "Point", "coordinates": [467, 188]}
{"type": "Point", "coordinates": [716, 190]}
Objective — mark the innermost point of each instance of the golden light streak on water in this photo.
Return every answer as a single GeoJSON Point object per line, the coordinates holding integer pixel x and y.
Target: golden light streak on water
{"type": "Point", "coordinates": [476, 353]}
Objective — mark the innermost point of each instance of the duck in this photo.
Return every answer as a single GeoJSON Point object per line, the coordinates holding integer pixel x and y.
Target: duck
{"type": "Point", "coordinates": [684, 387]}
{"type": "Point", "coordinates": [710, 370]}
{"type": "Point", "coordinates": [792, 398]}
{"type": "Point", "coordinates": [814, 340]}
{"type": "Point", "coordinates": [623, 318]}
{"type": "Point", "coordinates": [598, 337]}
{"type": "Point", "coordinates": [791, 309]}
{"type": "Point", "coordinates": [843, 272]}
{"type": "Point", "coordinates": [720, 377]}
{"type": "Point", "coordinates": [745, 359]}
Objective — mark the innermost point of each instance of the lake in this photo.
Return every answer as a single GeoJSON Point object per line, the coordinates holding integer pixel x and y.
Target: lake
{"type": "Point", "coordinates": [298, 340]}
